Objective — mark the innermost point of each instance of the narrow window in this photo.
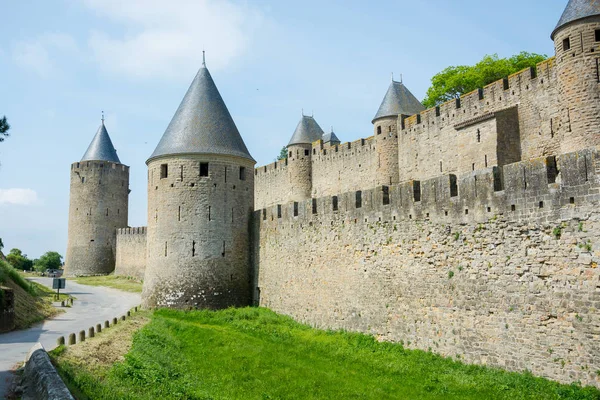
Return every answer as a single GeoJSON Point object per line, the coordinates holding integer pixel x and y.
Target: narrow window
{"type": "Point", "coordinates": [204, 169]}
{"type": "Point", "coordinates": [379, 130]}
{"type": "Point", "coordinates": [242, 173]}
{"type": "Point", "coordinates": [82, 179]}
{"type": "Point", "coordinates": [358, 199]}
{"type": "Point", "coordinates": [225, 174]}
{"type": "Point", "coordinates": [513, 207]}
{"type": "Point", "coordinates": [498, 184]}
{"type": "Point", "coordinates": [264, 214]}
{"type": "Point", "coordinates": [290, 155]}
{"type": "Point", "coordinates": [193, 248]}
{"type": "Point", "coordinates": [314, 206]}
{"type": "Point", "coordinates": [478, 136]}
{"type": "Point", "coordinates": [453, 186]}
{"type": "Point", "coordinates": [334, 203]}
{"type": "Point", "coordinates": [417, 190]}
{"type": "Point", "coordinates": [386, 195]}
{"type": "Point", "coordinates": [295, 209]}
{"type": "Point", "coordinates": [597, 35]}
{"type": "Point", "coordinates": [441, 167]}
{"type": "Point", "coordinates": [306, 152]}
{"type": "Point", "coordinates": [571, 200]}
{"type": "Point", "coordinates": [231, 214]}
{"type": "Point", "coordinates": [179, 214]}
{"type": "Point", "coordinates": [505, 84]}
{"type": "Point", "coordinates": [457, 104]}
{"type": "Point", "coordinates": [278, 210]}
{"type": "Point", "coordinates": [480, 93]}
{"type": "Point", "coordinates": [209, 216]}
{"type": "Point", "coordinates": [223, 252]}
{"type": "Point", "coordinates": [473, 166]}
{"type": "Point", "coordinates": [181, 172]}
{"type": "Point", "coordinates": [551, 169]}
{"type": "Point", "coordinates": [390, 128]}
{"type": "Point", "coordinates": [165, 249]}
{"type": "Point", "coordinates": [107, 212]}
{"type": "Point", "coordinates": [437, 111]}
{"type": "Point", "coordinates": [314, 151]}
{"type": "Point", "coordinates": [485, 160]}
{"type": "Point", "coordinates": [566, 44]}
{"type": "Point", "coordinates": [418, 118]}
{"type": "Point", "coordinates": [164, 171]}
{"type": "Point", "coordinates": [541, 205]}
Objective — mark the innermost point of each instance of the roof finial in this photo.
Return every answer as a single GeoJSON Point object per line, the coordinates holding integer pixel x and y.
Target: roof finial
{"type": "Point", "coordinates": [312, 113]}
{"type": "Point", "coordinates": [303, 112]}
{"type": "Point", "coordinates": [400, 78]}
{"type": "Point", "coordinates": [102, 117]}
{"type": "Point", "coordinates": [203, 58]}
{"type": "Point", "coordinates": [392, 77]}
{"type": "Point", "coordinates": [331, 128]}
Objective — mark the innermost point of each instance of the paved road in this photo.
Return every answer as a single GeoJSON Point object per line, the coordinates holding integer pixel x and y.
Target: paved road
{"type": "Point", "coordinates": [93, 305]}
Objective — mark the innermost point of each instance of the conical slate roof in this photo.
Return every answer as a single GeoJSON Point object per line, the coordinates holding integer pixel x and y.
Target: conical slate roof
{"type": "Point", "coordinates": [331, 137]}
{"type": "Point", "coordinates": [576, 10]}
{"type": "Point", "coordinates": [202, 124]}
{"type": "Point", "coordinates": [101, 148]}
{"type": "Point", "coordinates": [306, 132]}
{"type": "Point", "coordinates": [398, 100]}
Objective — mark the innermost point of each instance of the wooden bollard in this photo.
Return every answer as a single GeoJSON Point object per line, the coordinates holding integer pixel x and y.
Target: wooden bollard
{"type": "Point", "coordinates": [106, 324]}
{"type": "Point", "coordinates": [60, 341]}
{"type": "Point", "coordinates": [122, 318]}
{"type": "Point", "coordinates": [114, 321]}
{"type": "Point", "coordinates": [62, 303]}
{"type": "Point", "coordinates": [135, 308]}
{"type": "Point", "coordinates": [98, 328]}
{"type": "Point", "coordinates": [71, 339]}
{"type": "Point", "coordinates": [129, 313]}
{"type": "Point", "coordinates": [81, 336]}
{"type": "Point", "coordinates": [71, 300]}
{"type": "Point", "coordinates": [91, 332]}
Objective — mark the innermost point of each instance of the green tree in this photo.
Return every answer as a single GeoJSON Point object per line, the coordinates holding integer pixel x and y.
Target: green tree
{"type": "Point", "coordinates": [1, 244]}
{"type": "Point", "coordinates": [50, 260]}
{"type": "Point", "coordinates": [283, 154]}
{"type": "Point", "coordinates": [4, 127]}
{"type": "Point", "coordinates": [18, 260]}
{"type": "Point", "coordinates": [453, 82]}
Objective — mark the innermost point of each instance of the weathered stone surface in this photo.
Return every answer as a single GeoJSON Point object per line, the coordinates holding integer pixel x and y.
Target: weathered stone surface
{"type": "Point", "coordinates": [40, 379]}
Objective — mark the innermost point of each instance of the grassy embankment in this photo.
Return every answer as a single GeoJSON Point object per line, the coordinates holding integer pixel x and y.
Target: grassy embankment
{"type": "Point", "coordinates": [253, 353]}
{"type": "Point", "coordinates": [33, 302]}
{"type": "Point", "coordinates": [125, 283]}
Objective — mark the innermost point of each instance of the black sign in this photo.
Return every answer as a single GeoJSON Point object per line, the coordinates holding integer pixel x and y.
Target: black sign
{"type": "Point", "coordinates": [59, 283]}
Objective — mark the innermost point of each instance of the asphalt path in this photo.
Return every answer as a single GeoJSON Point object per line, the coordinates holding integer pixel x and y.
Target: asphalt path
{"type": "Point", "coordinates": [93, 305]}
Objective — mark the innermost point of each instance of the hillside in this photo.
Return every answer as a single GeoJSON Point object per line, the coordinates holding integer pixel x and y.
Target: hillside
{"type": "Point", "coordinates": [253, 353]}
{"type": "Point", "coordinates": [33, 302]}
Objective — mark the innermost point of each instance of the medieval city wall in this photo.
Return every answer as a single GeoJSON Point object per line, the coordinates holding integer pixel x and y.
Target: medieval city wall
{"type": "Point", "coordinates": [131, 252]}
{"type": "Point", "coordinates": [498, 266]}
{"type": "Point", "coordinates": [470, 133]}
{"type": "Point", "coordinates": [272, 184]}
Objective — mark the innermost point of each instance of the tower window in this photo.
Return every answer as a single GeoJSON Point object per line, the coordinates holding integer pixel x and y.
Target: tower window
{"type": "Point", "coordinates": [290, 154]}
{"type": "Point", "coordinates": [306, 152]}
{"type": "Point", "coordinates": [203, 169]}
{"type": "Point", "coordinates": [242, 173]}
{"type": "Point", "coordinates": [334, 203]}
{"type": "Point", "coordinates": [566, 44]}
{"type": "Point", "coordinates": [379, 130]}
{"type": "Point", "coordinates": [164, 171]}
{"type": "Point", "coordinates": [597, 35]}
{"type": "Point", "coordinates": [478, 136]}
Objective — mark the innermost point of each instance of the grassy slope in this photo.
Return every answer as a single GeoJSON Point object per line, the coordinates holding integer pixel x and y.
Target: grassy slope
{"type": "Point", "coordinates": [256, 354]}
{"type": "Point", "coordinates": [33, 302]}
{"type": "Point", "coordinates": [124, 283]}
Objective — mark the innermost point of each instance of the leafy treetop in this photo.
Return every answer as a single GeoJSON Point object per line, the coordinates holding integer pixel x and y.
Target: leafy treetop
{"type": "Point", "coordinates": [4, 127]}
{"type": "Point", "coordinates": [18, 260]}
{"type": "Point", "coordinates": [283, 154]}
{"type": "Point", "coordinates": [50, 260]}
{"type": "Point", "coordinates": [453, 82]}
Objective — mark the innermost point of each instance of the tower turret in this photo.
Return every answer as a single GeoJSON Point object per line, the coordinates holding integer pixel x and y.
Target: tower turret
{"type": "Point", "coordinates": [200, 200]}
{"type": "Point", "coordinates": [299, 157]}
{"type": "Point", "coordinates": [98, 206]}
{"type": "Point", "coordinates": [398, 102]}
{"type": "Point", "coordinates": [577, 45]}
{"type": "Point", "coordinates": [331, 138]}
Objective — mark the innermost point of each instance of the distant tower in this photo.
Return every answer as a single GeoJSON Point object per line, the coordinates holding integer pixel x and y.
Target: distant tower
{"type": "Point", "coordinates": [398, 102]}
{"type": "Point", "coordinates": [97, 207]}
{"type": "Point", "coordinates": [577, 45]}
{"type": "Point", "coordinates": [331, 138]}
{"type": "Point", "coordinates": [299, 157]}
{"type": "Point", "coordinates": [200, 200]}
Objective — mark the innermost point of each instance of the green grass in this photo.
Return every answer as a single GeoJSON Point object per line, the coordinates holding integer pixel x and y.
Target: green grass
{"type": "Point", "coordinates": [253, 353]}
{"type": "Point", "coordinates": [124, 283]}
{"type": "Point", "coordinates": [8, 272]}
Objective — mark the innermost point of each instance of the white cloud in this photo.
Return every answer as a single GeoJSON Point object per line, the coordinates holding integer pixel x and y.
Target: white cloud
{"type": "Point", "coordinates": [18, 196]}
{"type": "Point", "coordinates": [163, 38]}
{"type": "Point", "coordinates": [39, 54]}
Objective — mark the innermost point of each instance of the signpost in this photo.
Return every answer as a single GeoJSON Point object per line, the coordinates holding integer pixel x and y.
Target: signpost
{"type": "Point", "coordinates": [58, 283]}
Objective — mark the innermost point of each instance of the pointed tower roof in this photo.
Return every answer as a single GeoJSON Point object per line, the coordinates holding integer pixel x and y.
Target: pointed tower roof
{"type": "Point", "coordinates": [398, 100]}
{"type": "Point", "coordinates": [306, 132]}
{"type": "Point", "coordinates": [331, 137]}
{"type": "Point", "coordinates": [576, 10]}
{"type": "Point", "coordinates": [202, 124]}
{"type": "Point", "coordinates": [101, 148]}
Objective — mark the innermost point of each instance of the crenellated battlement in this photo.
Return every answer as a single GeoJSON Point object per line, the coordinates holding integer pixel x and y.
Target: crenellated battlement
{"type": "Point", "coordinates": [132, 231]}
{"type": "Point", "coordinates": [548, 188]}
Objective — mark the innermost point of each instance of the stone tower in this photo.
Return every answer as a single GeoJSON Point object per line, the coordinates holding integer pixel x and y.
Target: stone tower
{"type": "Point", "coordinates": [577, 45]}
{"type": "Point", "coordinates": [398, 103]}
{"type": "Point", "coordinates": [98, 206]}
{"type": "Point", "coordinates": [200, 200]}
{"type": "Point", "coordinates": [300, 158]}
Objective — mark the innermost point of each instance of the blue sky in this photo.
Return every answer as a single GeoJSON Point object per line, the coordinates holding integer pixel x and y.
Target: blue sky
{"type": "Point", "coordinates": [63, 62]}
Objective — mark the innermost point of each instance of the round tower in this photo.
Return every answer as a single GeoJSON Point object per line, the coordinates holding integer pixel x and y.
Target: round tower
{"type": "Point", "coordinates": [97, 208]}
{"type": "Point", "coordinates": [300, 158]}
{"type": "Point", "coordinates": [577, 46]}
{"type": "Point", "coordinates": [398, 102]}
{"type": "Point", "coordinates": [200, 201]}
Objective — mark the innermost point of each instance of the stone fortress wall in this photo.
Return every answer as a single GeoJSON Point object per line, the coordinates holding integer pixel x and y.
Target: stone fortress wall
{"type": "Point", "coordinates": [131, 252]}
{"type": "Point", "coordinates": [497, 266]}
